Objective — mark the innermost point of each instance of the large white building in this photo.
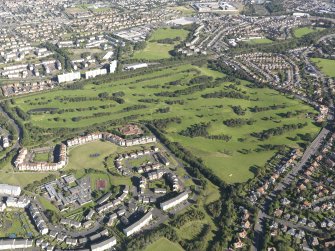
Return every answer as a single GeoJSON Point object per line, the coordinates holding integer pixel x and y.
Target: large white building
{"type": "Point", "coordinates": [138, 225]}
{"type": "Point", "coordinates": [9, 190]}
{"type": "Point", "coordinates": [69, 77]}
{"type": "Point", "coordinates": [95, 73]}
{"type": "Point", "coordinates": [113, 66]}
{"type": "Point", "coordinates": [20, 202]}
{"type": "Point", "coordinates": [136, 66]}
{"type": "Point", "coordinates": [174, 201]}
{"type": "Point", "coordinates": [104, 245]}
{"type": "Point", "coordinates": [11, 244]}
{"type": "Point", "coordinates": [5, 142]}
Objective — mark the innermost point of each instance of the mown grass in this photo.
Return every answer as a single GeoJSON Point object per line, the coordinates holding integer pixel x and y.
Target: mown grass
{"type": "Point", "coordinates": [303, 31]}
{"type": "Point", "coordinates": [155, 50]}
{"type": "Point", "coordinates": [164, 244]}
{"type": "Point", "coordinates": [259, 41]}
{"type": "Point", "coordinates": [226, 159]}
{"type": "Point", "coordinates": [327, 66]}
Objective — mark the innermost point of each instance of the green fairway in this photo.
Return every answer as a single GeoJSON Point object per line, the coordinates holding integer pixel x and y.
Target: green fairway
{"type": "Point", "coordinates": [327, 66]}
{"type": "Point", "coordinates": [259, 41]}
{"type": "Point", "coordinates": [155, 50]}
{"type": "Point", "coordinates": [232, 161]}
{"type": "Point", "coordinates": [164, 244]}
{"type": "Point", "coordinates": [300, 32]}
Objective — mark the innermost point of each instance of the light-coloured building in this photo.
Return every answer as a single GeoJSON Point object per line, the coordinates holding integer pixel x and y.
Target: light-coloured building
{"type": "Point", "coordinates": [9, 190]}
{"type": "Point", "coordinates": [136, 66]}
{"type": "Point", "coordinates": [11, 244]}
{"type": "Point", "coordinates": [174, 201]}
{"type": "Point", "coordinates": [113, 66]}
{"type": "Point", "coordinates": [69, 77]}
{"type": "Point", "coordinates": [104, 245]}
{"type": "Point", "coordinates": [95, 73]}
{"type": "Point", "coordinates": [138, 225]}
{"type": "Point", "coordinates": [5, 142]}
{"type": "Point", "coordinates": [20, 202]}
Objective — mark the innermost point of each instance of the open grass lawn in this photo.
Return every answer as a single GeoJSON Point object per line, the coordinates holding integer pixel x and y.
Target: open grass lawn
{"type": "Point", "coordinates": [155, 50]}
{"type": "Point", "coordinates": [303, 31]}
{"type": "Point", "coordinates": [259, 41]}
{"type": "Point", "coordinates": [140, 161]}
{"type": "Point", "coordinates": [20, 178]}
{"type": "Point", "coordinates": [327, 66]}
{"type": "Point", "coordinates": [190, 230]}
{"type": "Point", "coordinates": [80, 157]}
{"type": "Point", "coordinates": [47, 204]}
{"type": "Point", "coordinates": [163, 33]}
{"type": "Point", "coordinates": [41, 157]}
{"type": "Point", "coordinates": [164, 244]}
{"type": "Point", "coordinates": [228, 160]}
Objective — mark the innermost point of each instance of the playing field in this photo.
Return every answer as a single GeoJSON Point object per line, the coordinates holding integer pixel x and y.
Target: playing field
{"type": "Point", "coordinates": [327, 66]}
{"type": "Point", "coordinates": [146, 96]}
{"type": "Point", "coordinates": [300, 32]}
{"type": "Point", "coordinates": [156, 50]}
{"type": "Point", "coordinates": [259, 41]}
{"type": "Point", "coordinates": [164, 244]}
{"type": "Point", "coordinates": [81, 157]}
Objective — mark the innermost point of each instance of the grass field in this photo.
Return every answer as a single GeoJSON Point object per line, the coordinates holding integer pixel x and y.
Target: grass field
{"type": "Point", "coordinates": [190, 230]}
{"type": "Point", "coordinates": [41, 157]}
{"type": "Point", "coordinates": [303, 31]}
{"type": "Point", "coordinates": [327, 66]}
{"type": "Point", "coordinates": [228, 160]}
{"type": "Point", "coordinates": [20, 179]}
{"type": "Point", "coordinates": [80, 156]}
{"type": "Point", "coordinates": [164, 244]}
{"type": "Point", "coordinates": [259, 41]}
{"type": "Point", "coordinates": [155, 50]}
{"type": "Point", "coordinates": [47, 204]}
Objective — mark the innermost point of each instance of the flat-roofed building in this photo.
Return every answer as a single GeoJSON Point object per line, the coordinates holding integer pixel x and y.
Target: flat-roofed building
{"type": "Point", "coordinates": [69, 77]}
{"type": "Point", "coordinates": [9, 190]}
{"type": "Point", "coordinates": [174, 201]}
{"type": "Point", "coordinates": [95, 73]}
{"type": "Point", "coordinates": [138, 225]}
{"type": "Point", "coordinates": [11, 244]}
{"type": "Point", "coordinates": [104, 245]}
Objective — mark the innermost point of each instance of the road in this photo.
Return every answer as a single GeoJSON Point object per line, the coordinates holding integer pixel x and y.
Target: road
{"type": "Point", "coordinates": [310, 151]}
